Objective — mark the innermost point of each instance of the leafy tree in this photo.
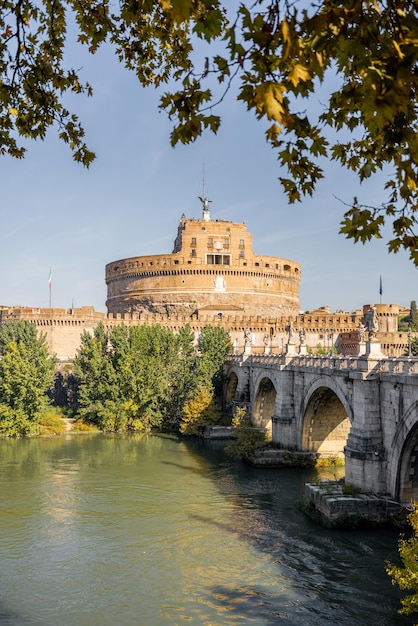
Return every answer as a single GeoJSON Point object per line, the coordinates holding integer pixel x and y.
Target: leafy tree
{"type": "Point", "coordinates": [280, 53]}
{"type": "Point", "coordinates": [409, 322]}
{"type": "Point", "coordinates": [214, 347]}
{"type": "Point", "coordinates": [135, 378]}
{"type": "Point", "coordinates": [200, 411]}
{"type": "Point", "coordinates": [184, 382]}
{"type": "Point", "coordinates": [26, 373]}
{"type": "Point", "coordinates": [406, 577]}
{"type": "Point", "coordinates": [414, 347]}
{"type": "Point", "coordinates": [98, 384]}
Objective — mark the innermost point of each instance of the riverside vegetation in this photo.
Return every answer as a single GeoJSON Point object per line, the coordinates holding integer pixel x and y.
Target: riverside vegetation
{"type": "Point", "coordinates": [135, 379]}
{"type": "Point", "coordinates": [122, 380]}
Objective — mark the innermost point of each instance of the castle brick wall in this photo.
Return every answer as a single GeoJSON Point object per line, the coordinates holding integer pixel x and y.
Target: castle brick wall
{"type": "Point", "coordinates": [212, 265]}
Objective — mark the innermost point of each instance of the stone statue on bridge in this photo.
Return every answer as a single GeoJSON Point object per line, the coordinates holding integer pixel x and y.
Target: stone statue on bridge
{"type": "Point", "coordinates": [290, 333]}
{"type": "Point", "coordinates": [302, 336]}
{"type": "Point", "coordinates": [247, 337]}
{"type": "Point", "coordinates": [372, 322]}
{"type": "Point", "coordinates": [361, 332]}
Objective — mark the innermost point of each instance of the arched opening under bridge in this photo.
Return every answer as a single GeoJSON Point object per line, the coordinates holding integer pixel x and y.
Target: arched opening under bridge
{"type": "Point", "coordinates": [231, 388]}
{"type": "Point", "coordinates": [263, 409]}
{"type": "Point", "coordinates": [407, 483]}
{"type": "Point", "coordinates": [326, 425]}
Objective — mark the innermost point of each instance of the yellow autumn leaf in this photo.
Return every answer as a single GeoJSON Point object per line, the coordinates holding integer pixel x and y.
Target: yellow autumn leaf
{"type": "Point", "coordinates": [286, 37]}
{"type": "Point", "coordinates": [268, 99]}
{"type": "Point", "coordinates": [412, 183]}
{"type": "Point", "coordinates": [13, 111]}
{"type": "Point", "coordinates": [299, 72]}
{"type": "Point", "coordinates": [180, 10]}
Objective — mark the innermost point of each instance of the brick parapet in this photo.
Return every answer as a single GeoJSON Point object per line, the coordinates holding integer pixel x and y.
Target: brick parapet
{"type": "Point", "coordinates": [63, 328]}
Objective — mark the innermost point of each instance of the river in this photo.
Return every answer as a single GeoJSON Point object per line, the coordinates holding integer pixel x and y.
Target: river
{"type": "Point", "coordinates": [103, 530]}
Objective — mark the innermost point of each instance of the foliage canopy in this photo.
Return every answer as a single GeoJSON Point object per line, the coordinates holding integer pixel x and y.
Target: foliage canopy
{"type": "Point", "coordinates": [142, 377]}
{"type": "Point", "coordinates": [406, 577]}
{"type": "Point", "coordinates": [278, 53]}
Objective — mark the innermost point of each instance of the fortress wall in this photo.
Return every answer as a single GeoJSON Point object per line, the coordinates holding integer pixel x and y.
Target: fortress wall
{"type": "Point", "coordinates": [63, 328]}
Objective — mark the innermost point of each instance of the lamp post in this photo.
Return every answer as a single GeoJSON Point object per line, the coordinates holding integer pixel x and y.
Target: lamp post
{"type": "Point", "coordinates": [409, 340]}
{"type": "Point", "coordinates": [332, 342]}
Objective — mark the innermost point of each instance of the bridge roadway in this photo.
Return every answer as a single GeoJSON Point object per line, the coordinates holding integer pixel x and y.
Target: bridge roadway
{"type": "Point", "coordinates": [363, 408]}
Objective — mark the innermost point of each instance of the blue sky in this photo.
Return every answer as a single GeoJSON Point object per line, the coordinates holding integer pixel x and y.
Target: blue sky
{"type": "Point", "coordinates": [56, 214]}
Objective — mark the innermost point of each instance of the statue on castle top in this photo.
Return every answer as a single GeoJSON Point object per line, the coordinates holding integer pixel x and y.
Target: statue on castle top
{"type": "Point", "coordinates": [265, 339]}
{"type": "Point", "coordinates": [205, 207]}
{"type": "Point", "coordinates": [372, 322]}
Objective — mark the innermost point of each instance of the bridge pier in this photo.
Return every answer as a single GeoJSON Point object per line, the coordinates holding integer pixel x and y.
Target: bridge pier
{"type": "Point", "coordinates": [283, 422]}
{"type": "Point", "coordinates": [365, 461]}
{"type": "Point", "coordinates": [365, 470]}
{"type": "Point", "coordinates": [283, 430]}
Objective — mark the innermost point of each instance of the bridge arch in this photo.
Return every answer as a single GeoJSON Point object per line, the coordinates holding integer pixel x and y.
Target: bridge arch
{"type": "Point", "coordinates": [325, 418]}
{"type": "Point", "coordinates": [403, 458]}
{"type": "Point", "coordinates": [263, 405]}
{"type": "Point", "coordinates": [231, 387]}
{"type": "Point", "coordinates": [237, 388]}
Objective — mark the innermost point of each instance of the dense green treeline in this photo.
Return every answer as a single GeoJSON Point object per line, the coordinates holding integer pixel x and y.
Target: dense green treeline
{"type": "Point", "coordinates": [26, 373]}
{"type": "Point", "coordinates": [123, 379]}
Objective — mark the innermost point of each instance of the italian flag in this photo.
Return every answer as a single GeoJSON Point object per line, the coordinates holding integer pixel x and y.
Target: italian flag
{"type": "Point", "coordinates": [50, 279]}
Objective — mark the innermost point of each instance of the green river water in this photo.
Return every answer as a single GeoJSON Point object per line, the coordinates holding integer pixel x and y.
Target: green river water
{"type": "Point", "coordinates": [100, 530]}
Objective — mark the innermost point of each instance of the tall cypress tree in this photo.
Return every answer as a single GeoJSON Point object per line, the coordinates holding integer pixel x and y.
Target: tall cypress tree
{"type": "Point", "coordinates": [414, 316]}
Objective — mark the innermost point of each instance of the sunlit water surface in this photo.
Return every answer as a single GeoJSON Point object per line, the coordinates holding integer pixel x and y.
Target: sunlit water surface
{"type": "Point", "coordinates": [98, 530]}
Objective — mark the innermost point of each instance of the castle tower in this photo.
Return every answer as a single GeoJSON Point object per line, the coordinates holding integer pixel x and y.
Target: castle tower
{"type": "Point", "coordinates": [212, 269]}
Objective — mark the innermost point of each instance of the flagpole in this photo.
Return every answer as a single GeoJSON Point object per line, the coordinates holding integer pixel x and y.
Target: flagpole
{"type": "Point", "coordinates": [380, 289]}
{"type": "Point", "coordinates": [50, 288]}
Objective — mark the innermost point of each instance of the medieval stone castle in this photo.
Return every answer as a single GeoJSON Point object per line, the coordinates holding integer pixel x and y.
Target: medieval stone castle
{"type": "Point", "coordinates": [213, 277]}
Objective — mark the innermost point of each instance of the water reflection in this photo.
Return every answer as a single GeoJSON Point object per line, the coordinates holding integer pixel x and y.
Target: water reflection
{"type": "Point", "coordinates": [155, 531]}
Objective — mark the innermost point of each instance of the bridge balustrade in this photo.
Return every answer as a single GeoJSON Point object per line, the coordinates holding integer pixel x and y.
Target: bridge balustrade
{"type": "Point", "coordinates": [391, 365]}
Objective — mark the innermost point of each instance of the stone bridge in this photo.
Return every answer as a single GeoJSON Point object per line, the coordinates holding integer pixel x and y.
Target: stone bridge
{"type": "Point", "coordinates": [364, 409]}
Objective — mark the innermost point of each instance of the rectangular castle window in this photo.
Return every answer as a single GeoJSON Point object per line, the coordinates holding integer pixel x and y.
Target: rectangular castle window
{"type": "Point", "coordinates": [218, 259]}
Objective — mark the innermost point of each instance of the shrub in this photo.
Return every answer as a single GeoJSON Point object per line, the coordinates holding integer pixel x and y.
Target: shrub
{"type": "Point", "coordinates": [248, 439]}
{"type": "Point", "coordinates": [51, 422]}
{"type": "Point", "coordinates": [198, 413]}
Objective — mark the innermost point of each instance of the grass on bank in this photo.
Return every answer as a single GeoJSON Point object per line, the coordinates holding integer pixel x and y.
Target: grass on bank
{"type": "Point", "coordinates": [53, 422]}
